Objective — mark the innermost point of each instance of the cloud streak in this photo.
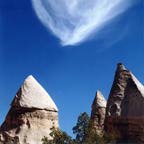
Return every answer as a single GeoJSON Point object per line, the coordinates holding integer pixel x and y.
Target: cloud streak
{"type": "Point", "coordinates": [73, 21]}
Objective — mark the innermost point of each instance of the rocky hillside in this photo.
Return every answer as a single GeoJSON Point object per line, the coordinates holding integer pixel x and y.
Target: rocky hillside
{"type": "Point", "coordinates": [124, 117]}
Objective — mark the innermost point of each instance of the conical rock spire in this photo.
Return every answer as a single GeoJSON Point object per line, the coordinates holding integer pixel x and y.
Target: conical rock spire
{"type": "Point", "coordinates": [98, 112]}
{"type": "Point", "coordinates": [31, 116]}
{"type": "Point", "coordinates": [32, 95]}
{"type": "Point", "coordinates": [125, 107]}
{"type": "Point", "coordinates": [124, 86]}
{"type": "Point", "coordinates": [117, 92]}
{"type": "Point", "coordinates": [99, 100]}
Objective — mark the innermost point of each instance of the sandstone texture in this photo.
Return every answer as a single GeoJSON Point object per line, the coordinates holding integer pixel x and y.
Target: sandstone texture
{"type": "Point", "coordinates": [98, 112]}
{"type": "Point", "coordinates": [31, 115]}
{"type": "Point", "coordinates": [125, 108]}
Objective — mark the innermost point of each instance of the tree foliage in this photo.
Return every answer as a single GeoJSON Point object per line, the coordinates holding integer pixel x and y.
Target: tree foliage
{"type": "Point", "coordinates": [81, 128]}
{"type": "Point", "coordinates": [58, 137]}
{"type": "Point", "coordinates": [84, 131]}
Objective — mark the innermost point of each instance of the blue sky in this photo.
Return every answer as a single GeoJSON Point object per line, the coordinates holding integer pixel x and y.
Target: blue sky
{"type": "Point", "coordinates": [70, 74]}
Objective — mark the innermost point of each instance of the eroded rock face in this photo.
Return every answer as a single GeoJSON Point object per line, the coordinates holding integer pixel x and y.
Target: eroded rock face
{"type": "Point", "coordinates": [31, 115]}
{"type": "Point", "coordinates": [125, 107]}
{"type": "Point", "coordinates": [98, 112]}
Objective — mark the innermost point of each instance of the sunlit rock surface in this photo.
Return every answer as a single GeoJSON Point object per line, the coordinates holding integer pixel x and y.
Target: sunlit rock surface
{"type": "Point", "coordinates": [31, 115]}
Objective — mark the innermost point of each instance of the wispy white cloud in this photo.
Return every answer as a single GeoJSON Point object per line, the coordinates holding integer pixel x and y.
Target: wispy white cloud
{"type": "Point", "coordinates": [73, 21]}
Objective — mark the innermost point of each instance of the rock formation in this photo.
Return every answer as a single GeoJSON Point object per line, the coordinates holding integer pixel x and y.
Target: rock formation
{"type": "Point", "coordinates": [125, 108]}
{"type": "Point", "coordinates": [98, 112]}
{"type": "Point", "coordinates": [30, 117]}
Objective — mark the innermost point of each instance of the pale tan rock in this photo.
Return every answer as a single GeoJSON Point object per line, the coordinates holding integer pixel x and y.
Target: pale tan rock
{"type": "Point", "coordinates": [33, 95]}
{"type": "Point", "coordinates": [31, 115]}
{"type": "Point", "coordinates": [98, 112]}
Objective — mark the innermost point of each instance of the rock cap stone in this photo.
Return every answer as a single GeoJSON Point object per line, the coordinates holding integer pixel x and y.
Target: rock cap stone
{"type": "Point", "coordinates": [99, 100]}
{"type": "Point", "coordinates": [32, 95]}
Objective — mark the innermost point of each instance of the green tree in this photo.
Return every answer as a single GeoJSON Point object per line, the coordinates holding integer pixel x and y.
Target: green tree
{"type": "Point", "coordinates": [92, 137]}
{"type": "Point", "coordinates": [81, 128]}
{"type": "Point", "coordinates": [58, 137]}
{"type": "Point", "coordinates": [85, 132]}
{"type": "Point", "coordinates": [45, 140]}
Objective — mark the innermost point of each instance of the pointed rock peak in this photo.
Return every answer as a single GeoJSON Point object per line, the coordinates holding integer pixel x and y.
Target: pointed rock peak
{"type": "Point", "coordinates": [32, 95]}
{"type": "Point", "coordinates": [120, 67]}
{"type": "Point", "coordinates": [99, 100]}
{"type": "Point", "coordinates": [30, 77]}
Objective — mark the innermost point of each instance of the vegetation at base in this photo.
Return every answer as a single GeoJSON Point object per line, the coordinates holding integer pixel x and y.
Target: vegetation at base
{"type": "Point", "coordinates": [58, 137]}
{"type": "Point", "coordinates": [84, 131]}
